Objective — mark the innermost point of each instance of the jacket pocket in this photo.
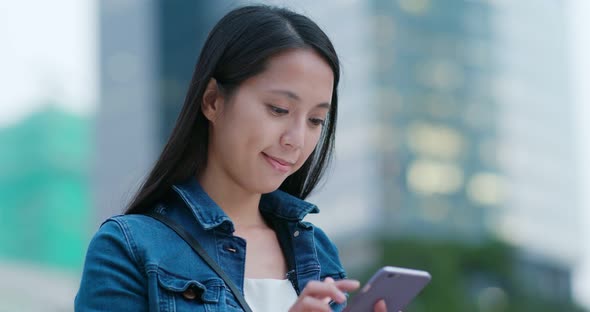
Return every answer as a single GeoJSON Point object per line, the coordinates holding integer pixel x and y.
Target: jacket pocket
{"type": "Point", "coordinates": [179, 294]}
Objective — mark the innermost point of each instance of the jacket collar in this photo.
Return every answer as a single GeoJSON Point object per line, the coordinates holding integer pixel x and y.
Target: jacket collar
{"type": "Point", "coordinates": [277, 204]}
{"type": "Point", "coordinates": [283, 205]}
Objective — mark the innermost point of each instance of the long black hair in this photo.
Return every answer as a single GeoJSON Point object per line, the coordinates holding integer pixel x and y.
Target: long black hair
{"type": "Point", "coordinates": [237, 48]}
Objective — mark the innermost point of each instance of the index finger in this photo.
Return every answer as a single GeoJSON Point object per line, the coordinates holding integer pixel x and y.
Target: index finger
{"type": "Point", "coordinates": [333, 290]}
{"type": "Point", "coordinates": [331, 281]}
{"type": "Point", "coordinates": [347, 285]}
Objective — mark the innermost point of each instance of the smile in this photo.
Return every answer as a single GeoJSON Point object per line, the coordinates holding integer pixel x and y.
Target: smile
{"type": "Point", "coordinates": [278, 164]}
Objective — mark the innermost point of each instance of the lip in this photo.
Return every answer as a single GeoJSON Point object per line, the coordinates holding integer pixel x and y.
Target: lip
{"type": "Point", "coordinates": [278, 164]}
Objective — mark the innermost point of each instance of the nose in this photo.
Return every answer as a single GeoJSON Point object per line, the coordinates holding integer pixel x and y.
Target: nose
{"type": "Point", "coordinates": [294, 135]}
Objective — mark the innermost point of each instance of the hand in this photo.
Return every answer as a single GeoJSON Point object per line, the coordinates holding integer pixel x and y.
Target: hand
{"type": "Point", "coordinates": [316, 295]}
{"type": "Point", "coordinates": [379, 306]}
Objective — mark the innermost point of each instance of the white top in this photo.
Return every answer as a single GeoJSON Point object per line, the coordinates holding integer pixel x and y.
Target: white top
{"type": "Point", "coordinates": [269, 295]}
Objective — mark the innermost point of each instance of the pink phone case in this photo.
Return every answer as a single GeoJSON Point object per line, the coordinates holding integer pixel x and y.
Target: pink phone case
{"type": "Point", "coordinates": [398, 286]}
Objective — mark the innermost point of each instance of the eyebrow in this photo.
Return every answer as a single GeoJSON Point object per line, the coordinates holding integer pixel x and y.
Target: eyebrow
{"type": "Point", "coordinates": [295, 97]}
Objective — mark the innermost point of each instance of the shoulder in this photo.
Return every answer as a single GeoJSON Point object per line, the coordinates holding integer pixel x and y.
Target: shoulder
{"type": "Point", "coordinates": [129, 220]}
{"type": "Point", "coordinates": [327, 253]}
{"type": "Point", "coordinates": [133, 225]}
{"type": "Point", "coordinates": [132, 232]}
{"type": "Point", "coordinates": [124, 227]}
{"type": "Point", "coordinates": [120, 229]}
{"type": "Point", "coordinates": [112, 248]}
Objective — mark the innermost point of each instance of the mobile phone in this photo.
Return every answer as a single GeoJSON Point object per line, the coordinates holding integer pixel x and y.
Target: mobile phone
{"type": "Point", "coordinates": [397, 286]}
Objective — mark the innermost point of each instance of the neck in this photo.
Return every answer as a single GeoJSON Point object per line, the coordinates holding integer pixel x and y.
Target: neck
{"type": "Point", "coordinates": [239, 204]}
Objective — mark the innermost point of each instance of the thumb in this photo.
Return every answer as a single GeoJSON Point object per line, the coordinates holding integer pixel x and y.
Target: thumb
{"type": "Point", "coordinates": [380, 306]}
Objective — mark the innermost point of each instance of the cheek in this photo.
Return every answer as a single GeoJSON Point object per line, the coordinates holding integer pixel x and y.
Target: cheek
{"type": "Point", "coordinates": [310, 144]}
{"type": "Point", "coordinates": [245, 137]}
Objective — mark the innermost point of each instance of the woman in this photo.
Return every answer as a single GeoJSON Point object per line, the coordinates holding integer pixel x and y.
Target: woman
{"type": "Point", "coordinates": [252, 141]}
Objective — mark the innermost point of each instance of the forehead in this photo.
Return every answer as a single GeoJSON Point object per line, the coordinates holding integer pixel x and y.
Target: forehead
{"type": "Point", "coordinates": [301, 71]}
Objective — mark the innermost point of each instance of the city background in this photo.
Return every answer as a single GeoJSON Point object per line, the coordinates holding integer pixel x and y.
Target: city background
{"type": "Point", "coordinates": [463, 130]}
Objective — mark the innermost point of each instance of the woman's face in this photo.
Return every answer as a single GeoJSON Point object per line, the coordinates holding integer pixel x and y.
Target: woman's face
{"type": "Point", "coordinates": [271, 124]}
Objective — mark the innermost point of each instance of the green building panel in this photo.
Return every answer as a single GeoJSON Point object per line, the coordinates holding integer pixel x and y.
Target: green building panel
{"type": "Point", "coordinates": [44, 189]}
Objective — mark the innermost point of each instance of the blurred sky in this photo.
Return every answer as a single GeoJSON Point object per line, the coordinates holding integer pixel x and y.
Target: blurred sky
{"type": "Point", "coordinates": [580, 49]}
{"type": "Point", "coordinates": [50, 53]}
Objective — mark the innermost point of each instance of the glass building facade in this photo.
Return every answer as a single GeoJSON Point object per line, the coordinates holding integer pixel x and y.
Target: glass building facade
{"type": "Point", "coordinates": [438, 118]}
{"type": "Point", "coordinates": [477, 138]}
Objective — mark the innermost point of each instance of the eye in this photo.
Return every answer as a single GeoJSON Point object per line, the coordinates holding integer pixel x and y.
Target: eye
{"type": "Point", "coordinates": [277, 110]}
{"type": "Point", "coordinates": [317, 121]}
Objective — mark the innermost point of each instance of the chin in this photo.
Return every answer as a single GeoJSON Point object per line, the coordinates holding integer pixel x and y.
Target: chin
{"type": "Point", "coordinates": [268, 187]}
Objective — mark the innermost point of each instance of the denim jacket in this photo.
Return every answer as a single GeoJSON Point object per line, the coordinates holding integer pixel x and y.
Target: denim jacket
{"type": "Point", "coordinates": [136, 263]}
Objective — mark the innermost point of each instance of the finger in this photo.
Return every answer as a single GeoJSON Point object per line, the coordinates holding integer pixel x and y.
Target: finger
{"type": "Point", "coordinates": [312, 304]}
{"type": "Point", "coordinates": [380, 306]}
{"type": "Point", "coordinates": [322, 290]}
{"type": "Point", "coordinates": [347, 285]}
{"type": "Point", "coordinates": [330, 281]}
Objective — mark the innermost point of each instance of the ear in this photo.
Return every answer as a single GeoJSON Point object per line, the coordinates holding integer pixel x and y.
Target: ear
{"type": "Point", "coordinates": [212, 102]}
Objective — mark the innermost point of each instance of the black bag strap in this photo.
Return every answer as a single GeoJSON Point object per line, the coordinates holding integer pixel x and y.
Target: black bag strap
{"type": "Point", "coordinates": [188, 238]}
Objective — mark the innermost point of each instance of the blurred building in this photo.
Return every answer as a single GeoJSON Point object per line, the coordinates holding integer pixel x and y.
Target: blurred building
{"type": "Point", "coordinates": [148, 51]}
{"type": "Point", "coordinates": [44, 198]}
{"type": "Point", "coordinates": [438, 118]}
{"type": "Point", "coordinates": [476, 130]}
{"type": "Point", "coordinates": [536, 150]}
{"type": "Point", "coordinates": [44, 188]}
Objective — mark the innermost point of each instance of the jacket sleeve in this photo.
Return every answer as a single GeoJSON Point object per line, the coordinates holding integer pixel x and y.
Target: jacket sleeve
{"type": "Point", "coordinates": [111, 279]}
{"type": "Point", "coordinates": [330, 260]}
{"type": "Point", "coordinates": [328, 255]}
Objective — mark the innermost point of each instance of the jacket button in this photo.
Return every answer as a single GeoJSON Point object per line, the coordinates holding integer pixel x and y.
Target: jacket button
{"type": "Point", "coordinates": [296, 233]}
{"type": "Point", "coordinates": [189, 294]}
